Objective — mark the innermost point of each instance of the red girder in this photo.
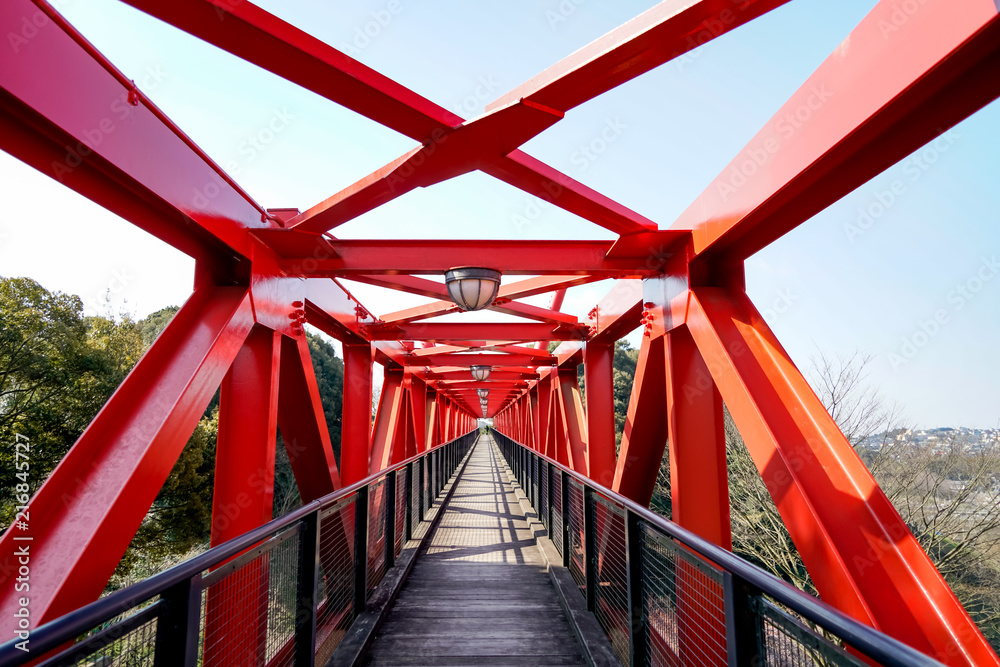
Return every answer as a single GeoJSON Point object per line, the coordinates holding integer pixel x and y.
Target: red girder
{"type": "Point", "coordinates": [868, 106]}
{"type": "Point", "coordinates": [448, 331]}
{"type": "Point", "coordinates": [100, 144]}
{"type": "Point", "coordinates": [835, 512]}
{"type": "Point", "coordinates": [366, 257]}
{"type": "Point", "coordinates": [647, 41]}
{"type": "Point", "coordinates": [467, 360]}
{"type": "Point", "coordinates": [864, 109]}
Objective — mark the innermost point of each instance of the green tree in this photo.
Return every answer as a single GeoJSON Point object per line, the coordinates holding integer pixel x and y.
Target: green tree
{"type": "Point", "coordinates": [329, 371]}
{"type": "Point", "coordinates": [330, 379]}
{"type": "Point", "coordinates": [154, 324]}
{"type": "Point", "coordinates": [57, 368]}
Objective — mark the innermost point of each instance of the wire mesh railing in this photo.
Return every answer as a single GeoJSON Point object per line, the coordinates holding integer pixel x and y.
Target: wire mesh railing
{"type": "Point", "coordinates": [284, 594]}
{"type": "Point", "coordinates": [664, 596]}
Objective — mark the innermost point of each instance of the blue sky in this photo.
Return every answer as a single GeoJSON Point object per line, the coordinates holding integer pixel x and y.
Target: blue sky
{"type": "Point", "coordinates": [911, 283]}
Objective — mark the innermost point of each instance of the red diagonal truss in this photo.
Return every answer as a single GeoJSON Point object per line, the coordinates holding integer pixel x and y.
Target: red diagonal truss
{"type": "Point", "coordinates": [261, 275]}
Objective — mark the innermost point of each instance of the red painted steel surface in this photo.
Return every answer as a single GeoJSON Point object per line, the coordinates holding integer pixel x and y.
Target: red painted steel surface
{"type": "Point", "coordinates": [261, 275]}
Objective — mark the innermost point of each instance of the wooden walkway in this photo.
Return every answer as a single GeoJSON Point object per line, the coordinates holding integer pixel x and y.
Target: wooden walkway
{"type": "Point", "coordinates": [479, 594]}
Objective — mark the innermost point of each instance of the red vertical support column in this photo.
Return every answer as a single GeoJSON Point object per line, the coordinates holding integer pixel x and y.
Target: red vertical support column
{"type": "Point", "coordinates": [243, 498]}
{"type": "Point", "coordinates": [529, 421]}
{"type": "Point", "coordinates": [574, 419]}
{"type": "Point", "coordinates": [536, 420]}
{"type": "Point", "coordinates": [390, 411]}
{"type": "Point", "coordinates": [558, 446]}
{"type": "Point", "coordinates": [446, 420]}
{"type": "Point", "coordinates": [404, 443]}
{"type": "Point", "coordinates": [356, 425]}
{"type": "Point", "coordinates": [433, 432]}
{"type": "Point", "coordinates": [544, 391]}
{"type": "Point", "coordinates": [599, 379]}
{"type": "Point", "coordinates": [645, 432]}
{"type": "Point", "coordinates": [515, 410]}
{"type": "Point", "coordinates": [699, 484]}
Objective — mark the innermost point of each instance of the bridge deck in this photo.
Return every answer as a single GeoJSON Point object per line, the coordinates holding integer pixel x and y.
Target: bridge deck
{"type": "Point", "coordinates": [480, 593]}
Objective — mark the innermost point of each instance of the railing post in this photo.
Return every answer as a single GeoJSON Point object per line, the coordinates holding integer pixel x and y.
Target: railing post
{"type": "Point", "coordinates": [307, 596]}
{"type": "Point", "coordinates": [390, 519]}
{"type": "Point", "coordinates": [529, 463]}
{"type": "Point", "coordinates": [178, 627]}
{"type": "Point", "coordinates": [744, 647]}
{"type": "Point", "coordinates": [565, 516]}
{"type": "Point", "coordinates": [421, 464]}
{"type": "Point", "coordinates": [408, 535]}
{"type": "Point", "coordinates": [548, 503]}
{"type": "Point", "coordinates": [638, 636]}
{"type": "Point", "coordinates": [361, 550]}
{"type": "Point", "coordinates": [590, 546]}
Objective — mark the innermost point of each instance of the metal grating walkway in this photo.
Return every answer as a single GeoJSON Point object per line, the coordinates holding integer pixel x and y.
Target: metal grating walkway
{"type": "Point", "coordinates": [479, 593]}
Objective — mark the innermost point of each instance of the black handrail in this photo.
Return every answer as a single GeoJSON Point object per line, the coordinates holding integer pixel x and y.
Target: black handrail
{"type": "Point", "coordinates": [866, 640]}
{"type": "Point", "coordinates": [67, 628]}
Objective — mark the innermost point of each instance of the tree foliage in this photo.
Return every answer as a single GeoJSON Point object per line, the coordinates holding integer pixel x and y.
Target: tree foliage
{"type": "Point", "coordinates": [58, 368]}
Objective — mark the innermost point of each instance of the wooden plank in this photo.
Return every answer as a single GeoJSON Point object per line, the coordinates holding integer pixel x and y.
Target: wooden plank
{"type": "Point", "coordinates": [480, 593]}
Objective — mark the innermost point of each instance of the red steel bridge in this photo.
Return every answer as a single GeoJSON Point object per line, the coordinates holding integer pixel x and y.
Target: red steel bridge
{"type": "Point", "coordinates": [262, 273]}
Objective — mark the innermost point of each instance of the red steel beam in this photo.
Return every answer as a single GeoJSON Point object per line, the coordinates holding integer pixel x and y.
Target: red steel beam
{"type": "Point", "coordinates": [466, 360]}
{"type": "Point", "coordinates": [654, 37]}
{"type": "Point", "coordinates": [445, 155]}
{"type": "Point", "coordinates": [537, 178]}
{"type": "Point", "coordinates": [598, 372]}
{"type": "Point", "coordinates": [861, 555]}
{"type": "Point", "coordinates": [332, 309]}
{"type": "Point", "coordinates": [864, 109]}
{"type": "Point", "coordinates": [645, 433]}
{"type": "Point", "coordinates": [365, 257]}
{"type": "Point", "coordinates": [100, 145]}
{"type": "Point", "coordinates": [389, 416]}
{"type": "Point", "coordinates": [355, 433]}
{"type": "Point", "coordinates": [261, 38]}
{"type": "Point", "coordinates": [449, 331]}
{"type": "Point", "coordinates": [699, 484]}
{"type": "Point", "coordinates": [494, 376]}
{"type": "Point", "coordinates": [618, 313]}
{"type": "Point", "coordinates": [243, 497]}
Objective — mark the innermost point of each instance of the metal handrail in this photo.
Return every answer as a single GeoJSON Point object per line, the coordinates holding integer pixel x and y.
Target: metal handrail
{"type": "Point", "coordinates": [862, 638]}
{"type": "Point", "coordinates": [68, 627]}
